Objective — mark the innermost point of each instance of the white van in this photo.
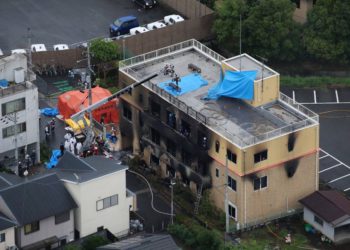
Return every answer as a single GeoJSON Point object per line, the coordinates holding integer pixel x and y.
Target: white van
{"type": "Point", "coordinates": [171, 19]}
{"type": "Point", "coordinates": [60, 47]}
{"type": "Point", "coordinates": [155, 25]}
{"type": "Point", "coordinates": [138, 30]}
{"type": "Point", "coordinates": [38, 47]}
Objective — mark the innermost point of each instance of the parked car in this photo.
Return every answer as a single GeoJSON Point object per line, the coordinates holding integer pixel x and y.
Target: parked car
{"type": "Point", "coordinates": [146, 4]}
{"type": "Point", "coordinates": [60, 47]}
{"type": "Point", "coordinates": [171, 19]}
{"type": "Point", "coordinates": [18, 51]}
{"type": "Point", "coordinates": [38, 47]}
{"type": "Point", "coordinates": [155, 25]}
{"type": "Point", "coordinates": [123, 25]}
{"type": "Point", "coordinates": [138, 30]}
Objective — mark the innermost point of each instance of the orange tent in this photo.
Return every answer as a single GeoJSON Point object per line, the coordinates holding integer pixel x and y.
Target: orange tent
{"type": "Point", "coordinates": [73, 101]}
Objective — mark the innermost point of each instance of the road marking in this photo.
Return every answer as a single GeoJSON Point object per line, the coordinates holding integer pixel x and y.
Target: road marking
{"type": "Point", "coordinates": [293, 97]}
{"type": "Point", "coordinates": [346, 189]}
{"type": "Point", "coordinates": [323, 156]}
{"type": "Point", "coordinates": [315, 101]}
{"type": "Point", "coordinates": [336, 96]}
{"type": "Point", "coordinates": [330, 168]}
{"type": "Point", "coordinates": [337, 179]}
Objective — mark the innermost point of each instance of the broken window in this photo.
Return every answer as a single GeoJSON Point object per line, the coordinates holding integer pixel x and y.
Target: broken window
{"type": "Point", "coordinates": [217, 146]}
{"type": "Point", "coordinates": [260, 183]}
{"type": "Point", "coordinates": [155, 109]}
{"type": "Point", "coordinates": [231, 156]}
{"type": "Point", "coordinates": [261, 156]}
{"type": "Point", "coordinates": [185, 129]}
{"type": "Point", "coordinates": [171, 147]}
{"type": "Point", "coordinates": [127, 113]}
{"type": "Point", "coordinates": [155, 136]}
{"type": "Point", "coordinates": [171, 119]}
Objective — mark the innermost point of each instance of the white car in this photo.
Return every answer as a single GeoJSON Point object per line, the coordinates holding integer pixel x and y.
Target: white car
{"type": "Point", "coordinates": [38, 47]}
{"type": "Point", "coordinates": [60, 47]}
{"type": "Point", "coordinates": [155, 25]}
{"type": "Point", "coordinates": [171, 19]}
{"type": "Point", "coordinates": [138, 30]}
{"type": "Point", "coordinates": [18, 51]}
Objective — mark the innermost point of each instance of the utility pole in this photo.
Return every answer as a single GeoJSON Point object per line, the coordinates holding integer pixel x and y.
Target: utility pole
{"type": "Point", "coordinates": [88, 79]}
{"type": "Point", "coordinates": [226, 198]}
{"type": "Point", "coordinates": [240, 42]}
{"type": "Point", "coordinates": [29, 36]}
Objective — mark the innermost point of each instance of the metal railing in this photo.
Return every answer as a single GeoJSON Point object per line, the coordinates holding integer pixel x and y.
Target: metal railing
{"type": "Point", "coordinates": [189, 44]}
{"type": "Point", "coordinates": [16, 88]}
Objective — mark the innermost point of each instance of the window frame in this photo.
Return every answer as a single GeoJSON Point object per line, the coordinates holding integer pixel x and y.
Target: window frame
{"type": "Point", "coordinates": [232, 183]}
{"type": "Point", "coordinates": [260, 182]}
{"type": "Point", "coordinates": [20, 104]}
{"type": "Point", "coordinates": [318, 220]}
{"type": "Point", "coordinates": [10, 130]}
{"type": "Point", "coordinates": [33, 224]}
{"type": "Point", "coordinates": [261, 156]}
{"type": "Point", "coordinates": [2, 237]}
{"type": "Point", "coordinates": [155, 136]}
{"type": "Point", "coordinates": [235, 210]}
{"type": "Point", "coordinates": [217, 172]}
{"type": "Point", "coordinates": [106, 202]}
{"type": "Point", "coordinates": [127, 113]}
{"type": "Point", "coordinates": [231, 156]}
{"type": "Point", "coordinates": [171, 147]}
{"type": "Point", "coordinates": [62, 217]}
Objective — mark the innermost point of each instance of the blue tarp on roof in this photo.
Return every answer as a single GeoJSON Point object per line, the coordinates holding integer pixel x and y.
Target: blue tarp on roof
{"type": "Point", "coordinates": [235, 84]}
{"type": "Point", "coordinates": [4, 83]}
{"type": "Point", "coordinates": [187, 84]}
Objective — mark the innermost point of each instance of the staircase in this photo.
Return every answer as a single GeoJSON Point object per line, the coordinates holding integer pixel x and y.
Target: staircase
{"type": "Point", "coordinates": [199, 196]}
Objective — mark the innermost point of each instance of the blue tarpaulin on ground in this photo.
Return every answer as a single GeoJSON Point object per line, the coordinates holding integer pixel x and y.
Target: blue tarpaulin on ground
{"type": "Point", "coordinates": [56, 153]}
{"type": "Point", "coordinates": [187, 84]}
{"type": "Point", "coordinates": [4, 83]}
{"type": "Point", "coordinates": [235, 84]}
{"type": "Point", "coordinates": [49, 111]}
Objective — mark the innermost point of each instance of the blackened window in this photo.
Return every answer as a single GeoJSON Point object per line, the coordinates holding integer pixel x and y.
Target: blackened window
{"type": "Point", "coordinates": [185, 128]}
{"type": "Point", "coordinates": [155, 136]}
{"type": "Point", "coordinates": [261, 156]}
{"type": "Point", "coordinates": [217, 173]}
{"type": "Point", "coordinates": [202, 140]}
{"type": "Point", "coordinates": [217, 146]}
{"type": "Point", "coordinates": [171, 147]}
{"type": "Point", "coordinates": [231, 156]}
{"type": "Point", "coordinates": [260, 183]}
{"type": "Point", "coordinates": [297, 3]}
{"type": "Point", "coordinates": [186, 157]}
{"type": "Point", "coordinates": [154, 159]}
{"type": "Point", "coordinates": [140, 98]}
{"type": "Point", "coordinates": [232, 211]}
{"type": "Point", "coordinates": [171, 119]}
{"type": "Point", "coordinates": [155, 109]}
{"type": "Point", "coordinates": [127, 113]}
{"type": "Point", "coordinates": [231, 183]}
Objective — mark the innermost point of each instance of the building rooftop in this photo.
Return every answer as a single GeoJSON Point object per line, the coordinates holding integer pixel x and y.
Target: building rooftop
{"type": "Point", "coordinates": [72, 168]}
{"type": "Point", "coordinates": [235, 120]}
{"type": "Point", "coordinates": [330, 205]}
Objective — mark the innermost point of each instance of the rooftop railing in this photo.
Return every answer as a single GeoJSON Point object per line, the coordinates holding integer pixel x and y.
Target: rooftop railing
{"type": "Point", "coordinates": [16, 88]}
{"type": "Point", "coordinates": [194, 44]}
{"type": "Point", "coordinates": [239, 137]}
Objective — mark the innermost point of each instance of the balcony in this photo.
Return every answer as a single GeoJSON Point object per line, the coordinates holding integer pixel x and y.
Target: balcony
{"type": "Point", "coordinates": [16, 88]}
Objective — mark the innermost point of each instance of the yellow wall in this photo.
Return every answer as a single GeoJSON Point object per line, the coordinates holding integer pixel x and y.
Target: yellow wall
{"type": "Point", "coordinates": [264, 91]}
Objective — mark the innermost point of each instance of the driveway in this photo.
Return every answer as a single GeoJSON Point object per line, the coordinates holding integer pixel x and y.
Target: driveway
{"type": "Point", "coordinates": [64, 21]}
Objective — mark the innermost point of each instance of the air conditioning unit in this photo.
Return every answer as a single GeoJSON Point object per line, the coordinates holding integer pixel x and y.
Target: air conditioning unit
{"type": "Point", "coordinates": [19, 75]}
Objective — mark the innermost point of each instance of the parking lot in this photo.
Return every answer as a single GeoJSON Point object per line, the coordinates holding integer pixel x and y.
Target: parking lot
{"type": "Point", "coordinates": [63, 21]}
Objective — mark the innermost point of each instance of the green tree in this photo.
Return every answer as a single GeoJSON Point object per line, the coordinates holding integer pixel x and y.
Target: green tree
{"type": "Point", "coordinates": [327, 34]}
{"type": "Point", "coordinates": [92, 242]}
{"type": "Point", "coordinates": [268, 29]}
{"type": "Point", "coordinates": [104, 54]}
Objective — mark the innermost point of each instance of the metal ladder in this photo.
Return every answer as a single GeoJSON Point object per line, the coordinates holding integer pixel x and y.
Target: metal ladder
{"type": "Point", "coordinates": [199, 196]}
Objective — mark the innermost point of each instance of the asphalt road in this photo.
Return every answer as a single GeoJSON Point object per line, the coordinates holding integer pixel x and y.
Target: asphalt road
{"type": "Point", "coordinates": [64, 21]}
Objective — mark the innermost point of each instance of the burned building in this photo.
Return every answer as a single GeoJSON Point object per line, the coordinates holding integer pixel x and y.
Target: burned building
{"type": "Point", "coordinates": [269, 143]}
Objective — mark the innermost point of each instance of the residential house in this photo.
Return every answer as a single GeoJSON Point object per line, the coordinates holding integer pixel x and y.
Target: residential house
{"type": "Point", "coordinates": [98, 185]}
{"type": "Point", "coordinates": [40, 208]}
{"type": "Point", "coordinates": [329, 213]}
{"type": "Point", "coordinates": [7, 232]}
{"type": "Point", "coordinates": [264, 149]}
{"type": "Point", "coordinates": [19, 109]}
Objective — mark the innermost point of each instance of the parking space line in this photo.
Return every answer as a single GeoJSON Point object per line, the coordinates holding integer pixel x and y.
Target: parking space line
{"type": "Point", "coordinates": [315, 101]}
{"type": "Point", "coordinates": [293, 97]}
{"type": "Point", "coordinates": [336, 96]}
{"type": "Point", "coordinates": [345, 165]}
{"type": "Point", "coordinates": [337, 179]}
{"type": "Point", "coordinates": [323, 156]}
{"type": "Point", "coordinates": [337, 165]}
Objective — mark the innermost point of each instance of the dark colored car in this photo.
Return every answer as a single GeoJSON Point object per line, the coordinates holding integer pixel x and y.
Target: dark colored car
{"type": "Point", "coordinates": [146, 4]}
{"type": "Point", "coordinates": [122, 25]}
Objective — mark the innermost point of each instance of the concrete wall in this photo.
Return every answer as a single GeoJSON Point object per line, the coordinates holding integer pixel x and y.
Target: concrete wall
{"type": "Point", "coordinates": [326, 229]}
{"type": "Point", "coordinates": [29, 115]}
{"type": "Point", "coordinates": [88, 219]}
{"type": "Point", "coordinates": [279, 197]}
{"type": "Point", "coordinates": [48, 229]}
{"type": "Point", "coordinates": [8, 64]}
{"type": "Point", "coordinates": [9, 238]}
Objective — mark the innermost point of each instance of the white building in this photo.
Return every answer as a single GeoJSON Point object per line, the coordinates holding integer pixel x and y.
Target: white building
{"type": "Point", "coordinates": [329, 213]}
{"type": "Point", "coordinates": [98, 186]}
{"type": "Point", "coordinates": [7, 233]}
{"type": "Point", "coordinates": [18, 104]}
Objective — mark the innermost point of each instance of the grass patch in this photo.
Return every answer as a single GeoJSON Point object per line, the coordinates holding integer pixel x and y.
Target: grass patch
{"type": "Point", "coordinates": [315, 81]}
